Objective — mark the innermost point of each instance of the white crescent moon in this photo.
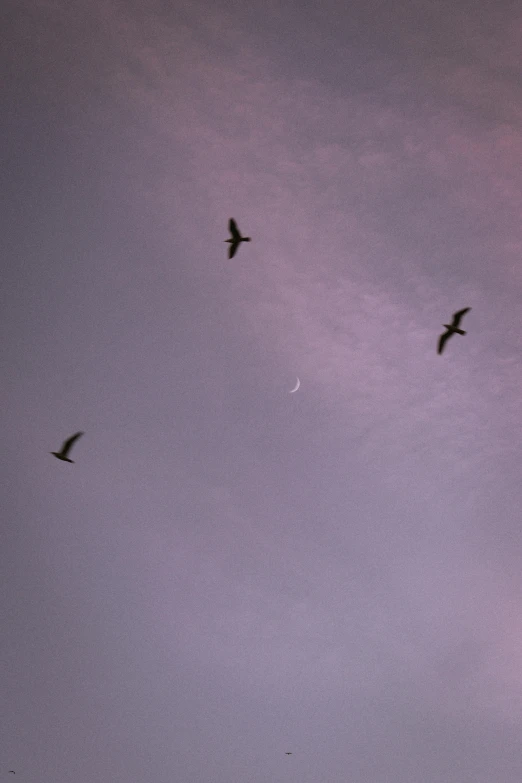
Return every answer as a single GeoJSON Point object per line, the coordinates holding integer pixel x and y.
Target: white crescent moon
{"type": "Point", "coordinates": [296, 386]}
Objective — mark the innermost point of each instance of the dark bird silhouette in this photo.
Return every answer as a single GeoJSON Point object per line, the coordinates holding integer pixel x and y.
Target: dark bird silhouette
{"type": "Point", "coordinates": [452, 328]}
{"type": "Point", "coordinates": [235, 239]}
{"type": "Point", "coordinates": [67, 446]}
{"type": "Point", "coordinates": [288, 753]}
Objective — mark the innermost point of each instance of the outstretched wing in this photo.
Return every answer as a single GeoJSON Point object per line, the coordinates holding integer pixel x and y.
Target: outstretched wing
{"type": "Point", "coordinates": [442, 340]}
{"type": "Point", "coordinates": [232, 227]}
{"type": "Point", "coordinates": [232, 249]}
{"type": "Point", "coordinates": [459, 315]}
{"type": "Point", "coordinates": [68, 444]}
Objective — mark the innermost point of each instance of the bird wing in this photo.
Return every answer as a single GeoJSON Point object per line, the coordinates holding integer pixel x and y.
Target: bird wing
{"type": "Point", "coordinates": [232, 227]}
{"type": "Point", "coordinates": [442, 340]}
{"type": "Point", "coordinates": [459, 315]}
{"type": "Point", "coordinates": [232, 249]}
{"type": "Point", "coordinates": [68, 444]}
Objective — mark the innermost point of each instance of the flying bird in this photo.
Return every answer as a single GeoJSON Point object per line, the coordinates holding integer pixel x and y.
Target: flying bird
{"type": "Point", "coordinates": [67, 446]}
{"type": "Point", "coordinates": [452, 328]}
{"type": "Point", "coordinates": [287, 753]}
{"type": "Point", "coordinates": [235, 239]}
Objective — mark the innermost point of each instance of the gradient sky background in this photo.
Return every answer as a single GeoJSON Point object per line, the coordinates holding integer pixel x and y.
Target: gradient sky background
{"type": "Point", "coordinates": [228, 571]}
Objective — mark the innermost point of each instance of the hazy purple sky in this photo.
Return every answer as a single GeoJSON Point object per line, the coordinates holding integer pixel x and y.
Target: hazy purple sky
{"type": "Point", "coordinates": [229, 571]}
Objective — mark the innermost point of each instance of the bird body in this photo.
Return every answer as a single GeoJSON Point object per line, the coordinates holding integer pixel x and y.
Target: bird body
{"type": "Point", "coordinates": [235, 238]}
{"type": "Point", "coordinates": [452, 328]}
{"type": "Point", "coordinates": [66, 447]}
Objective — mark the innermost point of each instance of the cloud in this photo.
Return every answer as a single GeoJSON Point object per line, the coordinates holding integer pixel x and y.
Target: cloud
{"type": "Point", "coordinates": [374, 216]}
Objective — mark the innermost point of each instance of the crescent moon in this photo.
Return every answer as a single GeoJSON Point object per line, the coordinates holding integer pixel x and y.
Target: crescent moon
{"type": "Point", "coordinates": [296, 386]}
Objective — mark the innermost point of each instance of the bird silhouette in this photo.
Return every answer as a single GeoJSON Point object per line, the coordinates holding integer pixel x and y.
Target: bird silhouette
{"type": "Point", "coordinates": [288, 753]}
{"type": "Point", "coordinates": [67, 446]}
{"type": "Point", "coordinates": [235, 239]}
{"type": "Point", "coordinates": [452, 328]}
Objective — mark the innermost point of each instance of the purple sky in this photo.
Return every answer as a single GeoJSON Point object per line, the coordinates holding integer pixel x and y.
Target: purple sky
{"type": "Point", "coordinates": [229, 571]}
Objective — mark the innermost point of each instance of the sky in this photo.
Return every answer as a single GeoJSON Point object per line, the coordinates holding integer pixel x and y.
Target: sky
{"type": "Point", "coordinates": [229, 572]}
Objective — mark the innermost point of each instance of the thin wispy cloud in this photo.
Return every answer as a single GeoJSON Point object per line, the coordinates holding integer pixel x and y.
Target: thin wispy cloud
{"type": "Point", "coordinates": [229, 571]}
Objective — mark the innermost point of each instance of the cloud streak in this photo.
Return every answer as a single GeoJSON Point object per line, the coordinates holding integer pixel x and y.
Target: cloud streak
{"type": "Point", "coordinates": [333, 569]}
